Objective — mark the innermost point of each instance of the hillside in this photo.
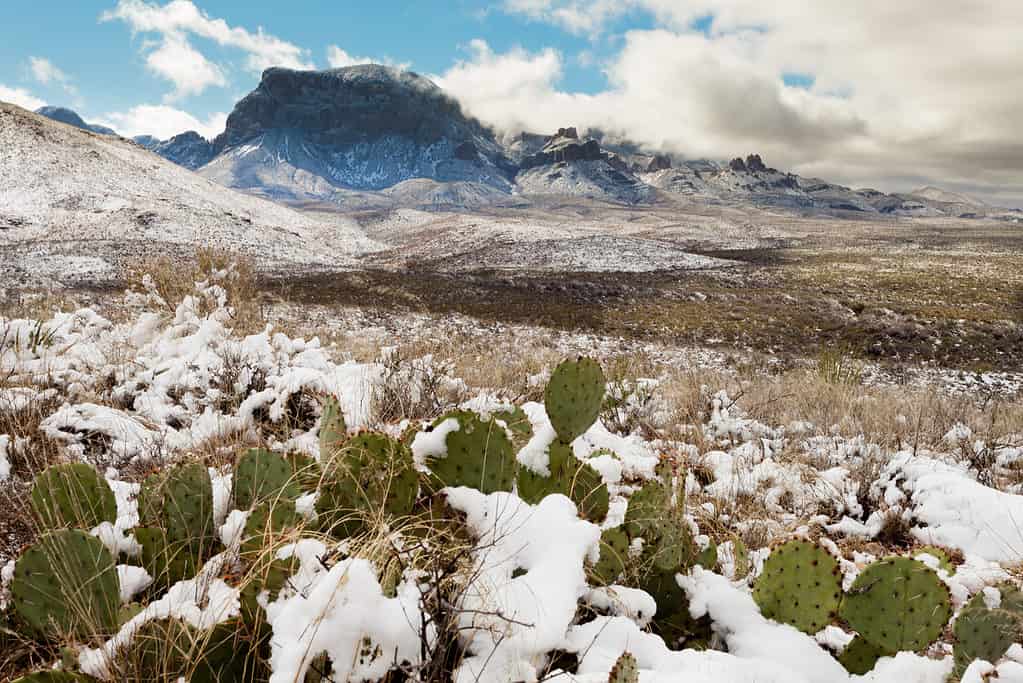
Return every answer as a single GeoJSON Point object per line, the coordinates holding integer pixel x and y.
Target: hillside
{"type": "Point", "coordinates": [72, 200]}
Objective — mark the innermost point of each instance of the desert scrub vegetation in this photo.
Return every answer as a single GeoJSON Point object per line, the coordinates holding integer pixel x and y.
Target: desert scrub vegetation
{"type": "Point", "coordinates": [200, 501]}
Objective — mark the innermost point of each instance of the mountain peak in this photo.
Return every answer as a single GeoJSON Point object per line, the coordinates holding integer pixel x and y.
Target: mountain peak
{"type": "Point", "coordinates": [71, 118]}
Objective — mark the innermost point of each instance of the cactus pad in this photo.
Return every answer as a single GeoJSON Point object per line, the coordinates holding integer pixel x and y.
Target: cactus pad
{"type": "Point", "coordinates": [574, 396]}
{"type": "Point", "coordinates": [625, 670]}
{"type": "Point", "coordinates": [373, 475]}
{"type": "Point", "coordinates": [67, 583]}
{"type": "Point", "coordinates": [267, 522]}
{"type": "Point", "coordinates": [740, 558]}
{"type": "Point", "coordinates": [333, 430]}
{"type": "Point", "coordinates": [859, 656]}
{"type": "Point", "coordinates": [263, 476]}
{"type": "Point", "coordinates": [898, 604]}
{"type": "Point", "coordinates": [72, 495]}
{"type": "Point", "coordinates": [614, 550]}
{"type": "Point", "coordinates": [983, 633]}
{"type": "Point", "coordinates": [517, 423]}
{"type": "Point", "coordinates": [944, 561]}
{"type": "Point", "coordinates": [647, 510]}
{"type": "Point", "coordinates": [801, 585]}
{"type": "Point", "coordinates": [479, 455]}
{"type": "Point", "coordinates": [569, 477]}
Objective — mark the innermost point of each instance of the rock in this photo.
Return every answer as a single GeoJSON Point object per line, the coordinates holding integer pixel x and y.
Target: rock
{"type": "Point", "coordinates": [660, 162]}
{"type": "Point", "coordinates": [366, 127]}
{"type": "Point", "coordinates": [737, 165]}
{"type": "Point", "coordinates": [189, 149]}
{"type": "Point", "coordinates": [755, 164]}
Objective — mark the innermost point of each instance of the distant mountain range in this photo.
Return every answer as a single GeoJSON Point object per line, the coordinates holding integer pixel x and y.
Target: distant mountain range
{"type": "Point", "coordinates": [371, 135]}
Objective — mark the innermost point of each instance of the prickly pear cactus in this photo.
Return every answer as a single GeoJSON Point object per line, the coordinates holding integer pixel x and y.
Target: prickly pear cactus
{"type": "Point", "coordinates": [740, 557]}
{"type": "Point", "coordinates": [176, 513]}
{"type": "Point", "coordinates": [170, 649]}
{"type": "Point", "coordinates": [306, 472]}
{"type": "Point", "coordinates": [72, 495]}
{"type": "Point", "coordinates": [648, 509]}
{"type": "Point", "coordinates": [333, 430]}
{"type": "Point", "coordinates": [479, 455]}
{"type": "Point", "coordinates": [801, 585]}
{"type": "Point", "coordinates": [67, 583]}
{"type": "Point", "coordinates": [569, 477]}
{"type": "Point", "coordinates": [859, 656]}
{"type": "Point", "coordinates": [625, 670]}
{"type": "Point", "coordinates": [574, 396]}
{"type": "Point", "coordinates": [262, 476]}
{"type": "Point", "coordinates": [373, 476]}
{"type": "Point", "coordinates": [614, 550]}
{"type": "Point", "coordinates": [944, 561]}
{"type": "Point", "coordinates": [518, 425]}
{"type": "Point", "coordinates": [983, 633]}
{"type": "Point", "coordinates": [267, 522]}
{"type": "Point", "coordinates": [898, 604]}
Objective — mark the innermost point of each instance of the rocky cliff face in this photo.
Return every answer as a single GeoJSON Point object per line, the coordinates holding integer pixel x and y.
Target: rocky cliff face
{"type": "Point", "coordinates": [364, 127]}
{"type": "Point", "coordinates": [190, 150]}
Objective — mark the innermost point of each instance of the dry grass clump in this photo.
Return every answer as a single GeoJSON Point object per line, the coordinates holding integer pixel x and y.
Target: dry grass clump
{"type": "Point", "coordinates": [173, 279]}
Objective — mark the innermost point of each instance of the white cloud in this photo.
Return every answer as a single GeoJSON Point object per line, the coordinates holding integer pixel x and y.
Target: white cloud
{"type": "Point", "coordinates": [179, 61]}
{"type": "Point", "coordinates": [577, 16]}
{"type": "Point", "coordinates": [338, 58]}
{"type": "Point", "coordinates": [21, 97]}
{"type": "Point", "coordinates": [44, 71]}
{"type": "Point", "coordinates": [184, 66]}
{"type": "Point", "coordinates": [162, 121]}
{"type": "Point", "coordinates": [903, 91]}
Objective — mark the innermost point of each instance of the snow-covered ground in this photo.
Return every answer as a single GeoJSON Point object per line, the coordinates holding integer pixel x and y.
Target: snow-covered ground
{"type": "Point", "coordinates": [528, 580]}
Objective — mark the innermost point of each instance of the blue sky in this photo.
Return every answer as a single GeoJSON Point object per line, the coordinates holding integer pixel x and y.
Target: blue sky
{"type": "Point", "coordinates": [833, 89]}
{"type": "Point", "coordinates": [104, 61]}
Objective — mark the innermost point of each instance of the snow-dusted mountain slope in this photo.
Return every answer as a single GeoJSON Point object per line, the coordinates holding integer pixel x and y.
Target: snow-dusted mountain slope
{"type": "Point", "coordinates": [61, 188]}
{"type": "Point", "coordinates": [311, 134]}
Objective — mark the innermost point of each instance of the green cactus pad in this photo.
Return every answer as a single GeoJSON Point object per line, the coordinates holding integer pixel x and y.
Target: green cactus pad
{"type": "Point", "coordinates": [648, 509]}
{"type": "Point", "coordinates": [740, 556]}
{"type": "Point", "coordinates": [983, 633]}
{"type": "Point", "coordinates": [168, 649]}
{"type": "Point", "coordinates": [859, 656]}
{"type": "Point", "coordinates": [263, 476]}
{"type": "Point", "coordinates": [479, 455]}
{"type": "Point", "coordinates": [187, 506]}
{"type": "Point", "coordinates": [614, 551]}
{"type": "Point", "coordinates": [944, 560]}
{"type": "Point", "coordinates": [708, 557]}
{"type": "Point", "coordinates": [72, 495]}
{"type": "Point", "coordinates": [306, 472]}
{"type": "Point", "coordinates": [569, 477]}
{"type": "Point", "coordinates": [67, 583]}
{"type": "Point", "coordinates": [625, 670]}
{"type": "Point", "coordinates": [574, 396]}
{"type": "Point", "coordinates": [898, 604]}
{"type": "Point", "coordinates": [801, 585]}
{"type": "Point", "coordinates": [673, 622]}
{"type": "Point", "coordinates": [519, 427]}
{"type": "Point", "coordinates": [267, 574]}
{"type": "Point", "coordinates": [333, 430]}
{"type": "Point", "coordinates": [165, 563]}
{"type": "Point", "coordinates": [374, 475]}
{"type": "Point", "coordinates": [669, 546]}
{"type": "Point", "coordinates": [267, 522]}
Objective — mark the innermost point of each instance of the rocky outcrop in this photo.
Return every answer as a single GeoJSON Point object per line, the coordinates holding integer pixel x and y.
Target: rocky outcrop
{"type": "Point", "coordinates": [660, 162]}
{"type": "Point", "coordinates": [190, 150]}
{"type": "Point", "coordinates": [565, 147]}
{"type": "Point", "coordinates": [364, 127]}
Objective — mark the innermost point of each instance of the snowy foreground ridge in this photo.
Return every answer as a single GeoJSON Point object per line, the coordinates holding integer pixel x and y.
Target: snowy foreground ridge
{"type": "Point", "coordinates": [153, 390]}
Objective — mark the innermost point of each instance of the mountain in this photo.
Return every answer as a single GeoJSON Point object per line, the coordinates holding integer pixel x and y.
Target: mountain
{"type": "Point", "coordinates": [189, 149]}
{"type": "Point", "coordinates": [569, 166]}
{"type": "Point", "coordinates": [318, 134]}
{"type": "Point", "coordinates": [71, 118]}
{"type": "Point", "coordinates": [936, 194]}
{"type": "Point", "coordinates": [75, 204]}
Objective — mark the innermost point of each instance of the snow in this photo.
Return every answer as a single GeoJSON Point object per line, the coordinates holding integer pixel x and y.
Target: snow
{"type": "Point", "coordinates": [5, 463]}
{"type": "Point", "coordinates": [509, 622]}
{"type": "Point", "coordinates": [344, 613]}
{"type": "Point", "coordinates": [952, 509]}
